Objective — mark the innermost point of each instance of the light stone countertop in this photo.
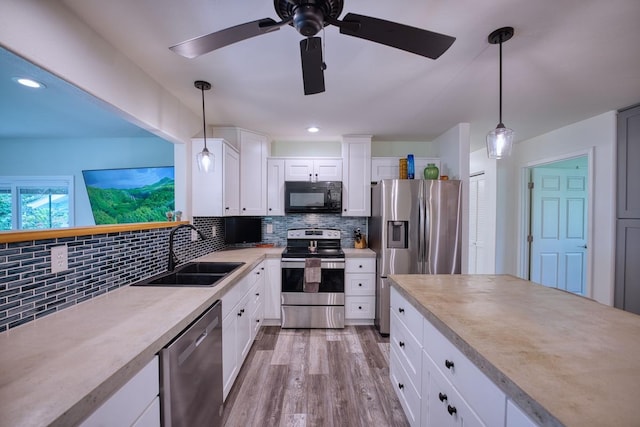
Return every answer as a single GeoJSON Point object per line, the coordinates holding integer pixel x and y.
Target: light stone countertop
{"type": "Point", "coordinates": [564, 359]}
{"type": "Point", "coordinates": [58, 369]}
{"type": "Point", "coordinates": [359, 253]}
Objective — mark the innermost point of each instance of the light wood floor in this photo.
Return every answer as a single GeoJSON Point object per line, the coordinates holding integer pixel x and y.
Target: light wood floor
{"type": "Point", "coordinates": [315, 377]}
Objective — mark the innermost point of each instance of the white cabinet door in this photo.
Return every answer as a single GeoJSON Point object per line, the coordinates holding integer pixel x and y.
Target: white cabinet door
{"type": "Point", "coordinates": [253, 174]}
{"type": "Point", "coordinates": [327, 170]}
{"type": "Point", "coordinates": [230, 357]}
{"type": "Point", "coordinates": [272, 289]}
{"type": "Point", "coordinates": [298, 169]}
{"type": "Point", "coordinates": [211, 191]}
{"type": "Point", "coordinates": [231, 181]}
{"type": "Point", "coordinates": [517, 418]}
{"type": "Point", "coordinates": [356, 189]}
{"type": "Point", "coordinates": [312, 169]}
{"type": "Point", "coordinates": [275, 186]}
{"type": "Point", "coordinates": [131, 402]}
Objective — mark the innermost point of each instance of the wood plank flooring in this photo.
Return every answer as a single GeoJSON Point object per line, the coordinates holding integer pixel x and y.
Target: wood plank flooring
{"type": "Point", "coordinates": [315, 377]}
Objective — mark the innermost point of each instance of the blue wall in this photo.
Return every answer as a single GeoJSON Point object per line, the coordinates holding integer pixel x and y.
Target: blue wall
{"type": "Point", "coordinates": [28, 157]}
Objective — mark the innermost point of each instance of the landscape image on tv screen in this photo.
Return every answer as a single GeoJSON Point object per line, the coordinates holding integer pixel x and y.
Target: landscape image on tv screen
{"type": "Point", "coordinates": [119, 196]}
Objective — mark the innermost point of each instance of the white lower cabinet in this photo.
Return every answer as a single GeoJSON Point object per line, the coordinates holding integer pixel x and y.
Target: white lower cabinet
{"type": "Point", "coordinates": [451, 390]}
{"type": "Point", "coordinates": [135, 404]}
{"type": "Point", "coordinates": [442, 405]}
{"type": "Point", "coordinates": [517, 418]}
{"type": "Point", "coordinates": [242, 317]}
{"type": "Point", "coordinates": [360, 290]}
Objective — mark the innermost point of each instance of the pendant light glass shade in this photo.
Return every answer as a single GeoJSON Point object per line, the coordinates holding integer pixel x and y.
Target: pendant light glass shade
{"type": "Point", "coordinates": [500, 140]}
{"type": "Point", "coordinates": [205, 158]}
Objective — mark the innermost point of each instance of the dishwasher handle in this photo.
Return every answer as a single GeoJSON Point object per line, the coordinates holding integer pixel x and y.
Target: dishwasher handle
{"type": "Point", "coordinates": [186, 353]}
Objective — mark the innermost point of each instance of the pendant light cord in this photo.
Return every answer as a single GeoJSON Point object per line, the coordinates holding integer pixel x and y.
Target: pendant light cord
{"type": "Point", "coordinates": [204, 122]}
{"type": "Point", "coordinates": [501, 80]}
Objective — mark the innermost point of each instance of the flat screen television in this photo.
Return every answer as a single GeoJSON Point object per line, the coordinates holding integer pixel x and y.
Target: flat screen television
{"type": "Point", "coordinates": [240, 229]}
{"type": "Point", "coordinates": [119, 196]}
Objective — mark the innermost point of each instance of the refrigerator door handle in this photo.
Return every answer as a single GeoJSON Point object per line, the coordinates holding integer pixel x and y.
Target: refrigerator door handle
{"type": "Point", "coordinates": [421, 235]}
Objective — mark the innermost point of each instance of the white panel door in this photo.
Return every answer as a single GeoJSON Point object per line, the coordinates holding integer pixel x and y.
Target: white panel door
{"type": "Point", "coordinates": [559, 228]}
{"type": "Point", "coordinates": [478, 257]}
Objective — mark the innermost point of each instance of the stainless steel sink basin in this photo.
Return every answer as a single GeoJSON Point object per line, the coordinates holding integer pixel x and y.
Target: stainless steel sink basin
{"type": "Point", "coordinates": [193, 274]}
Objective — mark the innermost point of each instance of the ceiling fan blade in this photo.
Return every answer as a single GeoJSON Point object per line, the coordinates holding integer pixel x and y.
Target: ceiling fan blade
{"type": "Point", "coordinates": [403, 37]}
{"type": "Point", "coordinates": [312, 65]}
{"type": "Point", "coordinates": [205, 44]}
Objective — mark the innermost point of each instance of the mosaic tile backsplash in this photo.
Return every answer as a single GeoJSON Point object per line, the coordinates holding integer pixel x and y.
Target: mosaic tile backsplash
{"type": "Point", "coordinates": [97, 264]}
{"type": "Point", "coordinates": [104, 262]}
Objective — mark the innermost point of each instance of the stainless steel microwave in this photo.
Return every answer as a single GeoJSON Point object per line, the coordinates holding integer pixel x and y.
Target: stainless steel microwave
{"type": "Point", "coordinates": [313, 197]}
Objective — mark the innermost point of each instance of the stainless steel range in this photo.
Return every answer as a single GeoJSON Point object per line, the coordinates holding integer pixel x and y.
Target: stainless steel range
{"type": "Point", "coordinates": [321, 309]}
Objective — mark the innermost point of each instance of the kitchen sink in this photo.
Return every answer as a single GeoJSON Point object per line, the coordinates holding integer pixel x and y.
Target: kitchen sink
{"type": "Point", "coordinates": [193, 274]}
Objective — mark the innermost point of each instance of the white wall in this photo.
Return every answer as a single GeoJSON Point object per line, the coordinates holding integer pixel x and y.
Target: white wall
{"type": "Point", "coordinates": [597, 133]}
{"type": "Point", "coordinates": [48, 35]}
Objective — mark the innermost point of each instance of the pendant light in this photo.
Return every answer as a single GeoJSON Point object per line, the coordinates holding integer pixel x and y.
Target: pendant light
{"type": "Point", "coordinates": [500, 140]}
{"type": "Point", "coordinates": [205, 157]}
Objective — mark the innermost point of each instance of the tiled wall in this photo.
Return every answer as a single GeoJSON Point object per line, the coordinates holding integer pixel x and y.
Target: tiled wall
{"type": "Point", "coordinates": [104, 262]}
{"type": "Point", "coordinates": [97, 264]}
{"type": "Point", "coordinates": [283, 223]}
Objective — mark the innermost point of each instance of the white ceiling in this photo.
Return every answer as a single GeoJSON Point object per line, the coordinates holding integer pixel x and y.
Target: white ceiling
{"type": "Point", "coordinates": [568, 60]}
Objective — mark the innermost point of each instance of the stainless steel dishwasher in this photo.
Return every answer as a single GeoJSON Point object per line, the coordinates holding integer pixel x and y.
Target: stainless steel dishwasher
{"type": "Point", "coordinates": [191, 374]}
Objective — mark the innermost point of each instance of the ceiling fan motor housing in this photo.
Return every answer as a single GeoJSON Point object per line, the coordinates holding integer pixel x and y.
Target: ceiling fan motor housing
{"type": "Point", "coordinates": [309, 16]}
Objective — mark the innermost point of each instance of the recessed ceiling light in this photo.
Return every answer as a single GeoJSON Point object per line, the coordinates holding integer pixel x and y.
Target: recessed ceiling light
{"type": "Point", "coordinates": [313, 129]}
{"type": "Point", "coordinates": [29, 82]}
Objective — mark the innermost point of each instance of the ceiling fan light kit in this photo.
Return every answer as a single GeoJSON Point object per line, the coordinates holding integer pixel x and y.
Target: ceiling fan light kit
{"type": "Point", "coordinates": [500, 139]}
{"type": "Point", "coordinates": [308, 17]}
{"type": "Point", "coordinates": [204, 158]}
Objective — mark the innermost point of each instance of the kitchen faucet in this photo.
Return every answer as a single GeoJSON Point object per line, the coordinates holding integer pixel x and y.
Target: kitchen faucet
{"type": "Point", "coordinates": [173, 259]}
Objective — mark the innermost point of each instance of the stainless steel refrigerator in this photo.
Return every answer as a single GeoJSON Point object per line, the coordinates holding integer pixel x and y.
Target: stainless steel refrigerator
{"type": "Point", "coordinates": [415, 228]}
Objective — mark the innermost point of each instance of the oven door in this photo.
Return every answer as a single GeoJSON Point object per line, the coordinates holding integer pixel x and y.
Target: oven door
{"type": "Point", "coordinates": [330, 291]}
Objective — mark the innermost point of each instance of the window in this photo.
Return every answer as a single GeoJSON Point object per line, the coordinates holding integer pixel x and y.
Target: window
{"type": "Point", "coordinates": [32, 203]}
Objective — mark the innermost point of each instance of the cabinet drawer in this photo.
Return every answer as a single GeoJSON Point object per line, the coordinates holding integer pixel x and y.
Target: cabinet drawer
{"type": "Point", "coordinates": [407, 347]}
{"type": "Point", "coordinates": [360, 265]}
{"type": "Point", "coordinates": [516, 417]}
{"type": "Point", "coordinates": [484, 397]}
{"type": "Point", "coordinates": [359, 307]}
{"type": "Point", "coordinates": [360, 284]}
{"type": "Point", "coordinates": [442, 405]}
{"type": "Point", "coordinates": [407, 394]}
{"type": "Point", "coordinates": [407, 313]}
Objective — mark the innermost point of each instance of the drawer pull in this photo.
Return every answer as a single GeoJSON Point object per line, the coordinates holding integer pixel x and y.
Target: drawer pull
{"type": "Point", "coordinates": [257, 294]}
{"type": "Point", "coordinates": [401, 310]}
{"type": "Point", "coordinates": [400, 386]}
{"type": "Point", "coordinates": [442, 397]}
{"type": "Point", "coordinates": [239, 314]}
{"type": "Point", "coordinates": [401, 344]}
{"type": "Point", "coordinates": [359, 307]}
{"type": "Point", "coordinates": [242, 310]}
{"type": "Point", "coordinates": [257, 320]}
{"type": "Point", "coordinates": [359, 284]}
{"type": "Point", "coordinates": [452, 410]}
{"type": "Point", "coordinates": [448, 364]}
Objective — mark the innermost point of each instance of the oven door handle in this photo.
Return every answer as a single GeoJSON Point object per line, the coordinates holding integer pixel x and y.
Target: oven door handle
{"type": "Point", "coordinates": [329, 264]}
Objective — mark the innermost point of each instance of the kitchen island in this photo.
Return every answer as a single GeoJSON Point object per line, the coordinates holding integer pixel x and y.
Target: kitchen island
{"type": "Point", "coordinates": [561, 358]}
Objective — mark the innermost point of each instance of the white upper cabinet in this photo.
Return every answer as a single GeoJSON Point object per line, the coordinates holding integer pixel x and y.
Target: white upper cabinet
{"type": "Point", "coordinates": [254, 150]}
{"type": "Point", "coordinates": [313, 169]}
{"type": "Point", "coordinates": [253, 174]}
{"type": "Point", "coordinates": [275, 186]}
{"type": "Point", "coordinates": [216, 193]}
{"type": "Point", "coordinates": [356, 180]}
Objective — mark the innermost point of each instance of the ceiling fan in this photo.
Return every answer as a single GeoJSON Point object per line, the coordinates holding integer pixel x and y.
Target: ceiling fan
{"type": "Point", "coordinates": [311, 16]}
